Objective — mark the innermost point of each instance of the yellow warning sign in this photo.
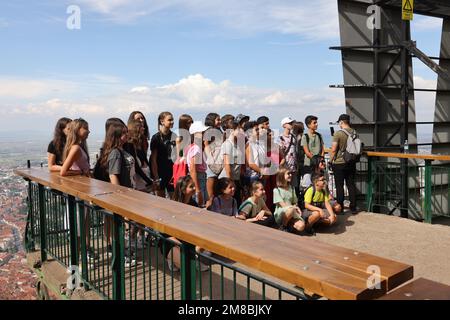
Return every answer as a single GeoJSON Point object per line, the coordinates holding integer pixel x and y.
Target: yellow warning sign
{"type": "Point", "coordinates": [407, 9]}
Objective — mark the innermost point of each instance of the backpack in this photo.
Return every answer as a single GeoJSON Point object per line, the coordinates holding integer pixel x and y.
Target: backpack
{"type": "Point", "coordinates": [215, 159]}
{"type": "Point", "coordinates": [101, 173]}
{"type": "Point", "coordinates": [316, 204]}
{"type": "Point", "coordinates": [180, 169]}
{"type": "Point", "coordinates": [353, 150]}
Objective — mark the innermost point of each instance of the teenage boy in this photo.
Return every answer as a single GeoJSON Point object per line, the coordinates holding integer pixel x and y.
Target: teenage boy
{"type": "Point", "coordinates": [263, 123]}
{"type": "Point", "coordinates": [312, 142]}
{"type": "Point", "coordinates": [343, 171]}
{"type": "Point", "coordinates": [317, 203]}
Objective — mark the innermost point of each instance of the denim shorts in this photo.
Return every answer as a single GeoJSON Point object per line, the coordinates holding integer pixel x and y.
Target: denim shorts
{"type": "Point", "coordinates": [201, 176]}
{"type": "Point", "coordinates": [210, 174]}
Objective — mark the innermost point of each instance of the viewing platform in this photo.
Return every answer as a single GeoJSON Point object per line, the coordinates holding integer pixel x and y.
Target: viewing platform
{"type": "Point", "coordinates": [362, 257]}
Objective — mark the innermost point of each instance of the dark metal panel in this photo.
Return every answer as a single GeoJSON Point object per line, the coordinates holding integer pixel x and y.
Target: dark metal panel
{"type": "Point", "coordinates": [359, 67]}
{"type": "Point", "coordinates": [441, 131]}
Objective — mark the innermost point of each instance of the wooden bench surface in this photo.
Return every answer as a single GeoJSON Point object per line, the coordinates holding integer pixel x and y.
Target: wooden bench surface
{"type": "Point", "coordinates": [420, 289]}
{"type": "Point", "coordinates": [327, 270]}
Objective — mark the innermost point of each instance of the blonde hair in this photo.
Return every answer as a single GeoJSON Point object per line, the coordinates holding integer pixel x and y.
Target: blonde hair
{"type": "Point", "coordinates": [281, 180]}
{"type": "Point", "coordinates": [73, 137]}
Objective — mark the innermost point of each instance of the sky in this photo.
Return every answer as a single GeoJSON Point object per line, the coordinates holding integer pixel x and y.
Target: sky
{"type": "Point", "coordinates": [257, 57]}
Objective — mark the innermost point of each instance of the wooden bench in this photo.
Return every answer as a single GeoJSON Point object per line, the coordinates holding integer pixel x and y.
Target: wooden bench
{"type": "Point", "coordinates": [323, 269]}
{"type": "Point", "coordinates": [420, 289]}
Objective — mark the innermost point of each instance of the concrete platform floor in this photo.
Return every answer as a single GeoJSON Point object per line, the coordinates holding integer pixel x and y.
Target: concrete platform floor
{"type": "Point", "coordinates": [425, 246]}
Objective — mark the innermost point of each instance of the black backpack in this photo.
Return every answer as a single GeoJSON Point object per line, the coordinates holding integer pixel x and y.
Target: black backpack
{"type": "Point", "coordinates": [101, 173]}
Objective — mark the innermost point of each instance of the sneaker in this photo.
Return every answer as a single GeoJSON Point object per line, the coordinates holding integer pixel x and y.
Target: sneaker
{"type": "Point", "coordinates": [129, 262]}
{"type": "Point", "coordinates": [354, 211]}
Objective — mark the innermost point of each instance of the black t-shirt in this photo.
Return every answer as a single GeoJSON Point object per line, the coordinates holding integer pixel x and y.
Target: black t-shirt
{"type": "Point", "coordinates": [52, 149]}
{"type": "Point", "coordinates": [163, 144]}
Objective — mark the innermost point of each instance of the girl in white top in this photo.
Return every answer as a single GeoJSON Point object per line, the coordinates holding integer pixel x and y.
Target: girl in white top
{"type": "Point", "coordinates": [75, 155]}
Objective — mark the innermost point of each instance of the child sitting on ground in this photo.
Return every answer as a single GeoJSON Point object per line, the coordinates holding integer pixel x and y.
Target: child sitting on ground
{"type": "Point", "coordinates": [224, 201]}
{"type": "Point", "coordinates": [317, 202]}
{"type": "Point", "coordinates": [254, 209]}
{"type": "Point", "coordinates": [287, 215]}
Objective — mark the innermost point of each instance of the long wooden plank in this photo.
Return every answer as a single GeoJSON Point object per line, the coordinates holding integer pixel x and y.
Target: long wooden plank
{"type": "Point", "coordinates": [245, 240]}
{"type": "Point", "coordinates": [291, 258]}
{"type": "Point", "coordinates": [391, 271]}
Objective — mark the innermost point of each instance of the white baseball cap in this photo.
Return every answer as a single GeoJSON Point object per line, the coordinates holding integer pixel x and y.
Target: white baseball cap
{"type": "Point", "coordinates": [197, 126]}
{"type": "Point", "coordinates": [286, 120]}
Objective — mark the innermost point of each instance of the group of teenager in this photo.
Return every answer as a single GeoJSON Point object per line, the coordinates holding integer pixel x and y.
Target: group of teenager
{"type": "Point", "coordinates": [231, 165]}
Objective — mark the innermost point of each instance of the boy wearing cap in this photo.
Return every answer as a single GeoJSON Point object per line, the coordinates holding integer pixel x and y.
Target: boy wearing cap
{"type": "Point", "coordinates": [343, 171]}
{"type": "Point", "coordinates": [288, 143]}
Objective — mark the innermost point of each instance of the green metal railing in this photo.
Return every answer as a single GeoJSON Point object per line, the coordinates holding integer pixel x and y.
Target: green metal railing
{"type": "Point", "coordinates": [380, 189]}
{"type": "Point", "coordinates": [428, 191]}
{"type": "Point", "coordinates": [123, 260]}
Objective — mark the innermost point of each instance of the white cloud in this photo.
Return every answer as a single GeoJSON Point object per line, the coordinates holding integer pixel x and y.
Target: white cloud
{"type": "Point", "coordinates": [311, 20]}
{"type": "Point", "coordinates": [194, 94]}
{"type": "Point", "coordinates": [140, 90]}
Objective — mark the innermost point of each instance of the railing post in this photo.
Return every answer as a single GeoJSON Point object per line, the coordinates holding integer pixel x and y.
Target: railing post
{"type": "Point", "coordinates": [428, 182]}
{"type": "Point", "coordinates": [188, 272]}
{"type": "Point", "coordinates": [42, 222]}
{"type": "Point", "coordinates": [118, 260]}
{"type": "Point", "coordinates": [369, 196]}
{"type": "Point", "coordinates": [84, 263]}
{"type": "Point", "coordinates": [73, 231]}
{"type": "Point", "coordinates": [29, 227]}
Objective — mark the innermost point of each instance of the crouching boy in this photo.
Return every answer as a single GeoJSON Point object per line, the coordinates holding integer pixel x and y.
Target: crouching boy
{"type": "Point", "coordinates": [317, 202]}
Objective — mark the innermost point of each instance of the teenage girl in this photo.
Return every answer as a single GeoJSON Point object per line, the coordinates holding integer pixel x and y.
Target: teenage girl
{"type": "Point", "coordinates": [56, 146]}
{"type": "Point", "coordinates": [213, 143]}
{"type": "Point", "coordinates": [120, 167]}
{"type": "Point", "coordinates": [161, 158]}
{"type": "Point", "coordinates": [136, 137]}
{"type": "Point", "coordinates": [137, 115]}
{"type": "Point", "coordinates": [75, 155]}
{"type": "Point", "coordinates": [254, 209]}
{"type": "Point", "coordinates": [75, 162]}
{"type": "Point", "coordinates": [224, 201]}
